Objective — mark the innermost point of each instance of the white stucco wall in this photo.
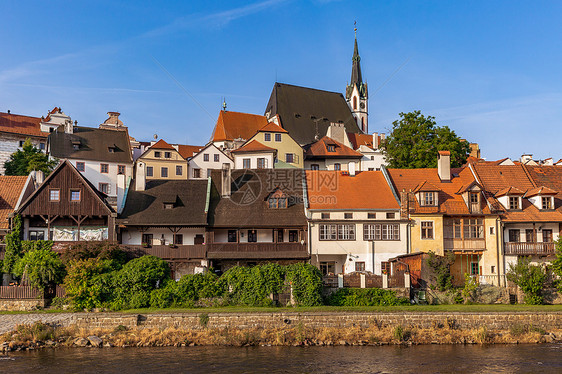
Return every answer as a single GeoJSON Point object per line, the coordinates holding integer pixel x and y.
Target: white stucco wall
{"type": "Point", "coordinates": [239, 160]}
{"type": "Point", "coordinates": [132, 236]}
{"type": "Point", "coordinates": [10, 143]}
{"type": "Point", "coordinates": [197, 162]}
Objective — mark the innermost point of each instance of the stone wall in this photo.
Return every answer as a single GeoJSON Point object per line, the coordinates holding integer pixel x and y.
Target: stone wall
{"type": "Point", "coordinates": [21, 304]}
{"type": "Point", "coordinates": [494, 321]}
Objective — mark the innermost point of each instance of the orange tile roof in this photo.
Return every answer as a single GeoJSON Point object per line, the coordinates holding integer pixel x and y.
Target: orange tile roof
{"type": "Point", "coordinates": [319, 149]}
{"type": "Point", "coordinates": [254, 146]}
{"type": "Point", "coordinates": [358, 140]}
{"type": "Point", "coordinates": [425, 186]}
{"type": "Point", "coordinates": [234, 125]}
{"type": "Point", "coordinates": [328, 189]}
{"type": "Point", "coordinates": [444, 153]}
{"type": "Point", "coordinates": [273, 127]}
{"type": "Point", "coordinates": [509, 191]}
{"type": "Point", "coordinates": [450, 202]}
{"type": "Point", "coordinates": [10, 190]}
{"type": "Point", "coordinates": [161, 144]}
{"type": "Point", "coordinates": [542, 190]}
{"type": "Point", "coordinates": [23, 125]}
{"type": "Point", "coordinates": [187, 151]}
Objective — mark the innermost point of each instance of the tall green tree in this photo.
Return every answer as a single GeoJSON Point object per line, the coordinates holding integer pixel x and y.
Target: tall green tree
{"type": "Point", "coordinates": [27, 159]}
{"type": "Point", "coordinates": [41, 268]}
{"type": "Point", "coordinates": [13, 245]}
{"type": "Point", "coordinates": [416, 139]}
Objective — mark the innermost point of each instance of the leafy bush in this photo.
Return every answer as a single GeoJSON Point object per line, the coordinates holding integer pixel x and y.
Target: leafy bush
{"type": "Point", "coordinates": [306, 281]}
{"type": "Point", "coordinates": [41, 268]}
{"type": "Point", "coordinates": [104, 250]}
{"type": "Point", "coordinates": [89, 283]}
{"type": "Point", "coordinates": [13, 250]}
{"type": "Point", "coordinates": [253, 285]}
{"type": "Point", "coordinates": [365, 297]}
{"type": "Point", "coordinates": [530, 278]}
{"type": "Point", "coordinates": [441, 267]}
{"type": "Point", "coordinates": [470, 287]}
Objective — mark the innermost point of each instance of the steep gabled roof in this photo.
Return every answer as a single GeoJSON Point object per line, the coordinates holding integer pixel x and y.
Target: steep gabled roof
{"type": "Point", "coordinates": [161, 144]}
{"type": "Point", "coordinates": [146, 208]}
{"type": "Point", "coordinates": [187, 151]}
{"type": "Point", "coordinates": [254, 146]}
{"type": "Point", "coordinates": [513, 191]}
{"type": "Point", "coordinates": [11, 187]}
{"type": "Point", "coordinates": [22, 125]}
{"type": "Point", "coordinates": [425, 186]}
{"type": "Point", "coordinates": [234, 125]}
{"type": "Point", "coordinates": [542, 190]}
{"type": "Point", "coordinates": [94, 144]}
{"type": "Point", "coordinates": [307, 112]}
{"type": "Point", "coordinates": [272, 127]}
{"type": "Point", "coordinates": [319, 150]}
{"type": "Point", "coordinates": [349, 192]}
{"type": "Point", "coordinates": [358, 140]}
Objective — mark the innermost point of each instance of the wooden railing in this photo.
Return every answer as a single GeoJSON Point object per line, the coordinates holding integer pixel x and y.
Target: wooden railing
{"type": "Point", "coordinates": [531, 248]}
{"type": "Point", "coordinates": [256, 247]}
{"type": "Point", "coordinates": [179, 252]}
{"type": "Point", "coordinates": [469, 244]}
{"type": "Point", "coordinates": [20, 292]}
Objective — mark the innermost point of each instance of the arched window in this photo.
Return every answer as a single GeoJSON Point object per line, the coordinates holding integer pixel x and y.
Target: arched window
{"type": "Point", "coordinates": [363, 123]}
{"type": "Point", "coordinates": [354, 102]}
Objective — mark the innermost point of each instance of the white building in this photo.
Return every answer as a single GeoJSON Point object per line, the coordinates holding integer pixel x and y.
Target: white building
{"type": "Point", "coordinates": [207, 159]}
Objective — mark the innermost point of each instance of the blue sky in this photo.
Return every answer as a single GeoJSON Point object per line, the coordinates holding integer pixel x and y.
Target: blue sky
{"type": "Point", "coordinates": [490, 70]}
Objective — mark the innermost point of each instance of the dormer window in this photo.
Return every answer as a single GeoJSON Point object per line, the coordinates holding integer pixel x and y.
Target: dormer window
{"type": "Point", "coordinates": [331, 148]}
{"type": "Point", "coordinates": [513, 202]}
{"type": "Point", "coordinates": [111, 149]}
{"type": "Point", "coordinates": [546, 202]}
{"type": "Point", "coordinates": [277, 200]}
{"type": "Point", "coordinates": [473, 196]}
{"type": "Point", "coordinates": [427, 199]}
{"type": "Point", "coordinates": [168, 206]}
{"type": "Point", "coordinates": [76, 145]}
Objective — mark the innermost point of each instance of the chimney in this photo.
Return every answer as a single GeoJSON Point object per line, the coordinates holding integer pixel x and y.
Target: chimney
{"type": "Point", "coordinates": [444, 166]}
{"type": "Point", "coordinates": [404, 205]}
{"type": "Point", "coordinates": [120, 191]}
{"type": "Point", "coordinates": [68, 127]}
{"type": "Point", "coordinates": [140, 178]}
{"type": "Point", "coordinates": [351, 169]}
{"type": "Point", "coordinates": [38, 177]}
{"type": "Point", "coordinates": [226, 181]}
{"type": "Point", "coordinates": [376, 140]}
{"type": "Point", "coordinates": [526, 158]}
{"type": "Point", "coordinates": [337, 132]}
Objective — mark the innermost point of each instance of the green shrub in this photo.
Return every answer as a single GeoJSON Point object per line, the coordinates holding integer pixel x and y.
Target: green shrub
{"type": "Point", "coordinates": [13, 251]}
{"type": "Point", "coordinates": [41, 268]}
{"type": "Point", "coordinates": [89, 283]}
{"type": "Point", "coordinates": [103, 250]}
{"type": "Point", "coordinates": [165, 297]}
{"type": "Point", "coordinates": [470, 287]}
{"type": "Point", "coordinates": [530, 278]}
{"type": "Point", "coordinates": [365, 297]}
{"type": "Point", "coordinates": [441, 268]}
{"type": "Point", "coordinates": [306, 281]}
{"type": "Point", "coordinates": [253, 286]}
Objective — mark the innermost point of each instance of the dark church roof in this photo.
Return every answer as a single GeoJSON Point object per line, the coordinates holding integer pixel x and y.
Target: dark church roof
{"type": "Point", "coordinates": [356, 78]}
{"type": "Point", "coordinates": [307, 112]}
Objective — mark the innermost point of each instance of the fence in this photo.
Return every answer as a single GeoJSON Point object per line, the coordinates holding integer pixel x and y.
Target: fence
{"type": "Point", "coordinates": [366, 280]}
{"type": "Point", "coordinates": [20, 292]}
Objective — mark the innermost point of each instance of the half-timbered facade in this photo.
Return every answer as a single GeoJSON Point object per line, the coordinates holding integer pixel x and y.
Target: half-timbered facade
{"type": "Point", "coordinates": [67, 207]}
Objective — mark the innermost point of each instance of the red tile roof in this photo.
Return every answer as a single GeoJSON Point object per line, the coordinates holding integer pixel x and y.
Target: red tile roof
{"type": "Point", "coordinates": [273, 127]}
{"type": "Point", "coordinates": [358, 140]}
{"type": "Point", "coordinates": [161, 144]}
{"type": "Point", "coordinates": [187, 151]}
{"type": "Point", "coordinates": [542, 190]}
{"type": "Point", "coordinates": [234, 125]}
{"type": "Point", "coordinates": [22, 125]}
{"type": "Point", "coordinates": [10, 190]}
{"type": "Point", "coordinates": [254, 146]}
{"type": "Point", "coordinates": [509, 191]}
{"type": "Point", "coordinates": [319, 149]}
{"type": "Point", "coordinates": [444, 153]}
{"type": "Point", "coordinates": [327, 189]}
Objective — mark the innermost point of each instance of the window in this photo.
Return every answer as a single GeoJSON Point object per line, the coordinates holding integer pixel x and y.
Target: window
{"type": "Point", "coordinates": [385, 231]}
{"type": "Point", "coordinates": [359, 266]}
{"type": "Point", "coordinates": [216, 157]}
{"type": "Point", "coordinates": [348, 215]}
{"type": "Point", "coordinates": [514, 236]}
{"type": "Point", "coordinates": [385, 267]}
{"type": "Point", "coordinates": [492, 231]}
{"type": "Point", "coordinates": [293, 236]}
{"type": "Point", "coordinates": [42, 146]}
{"type": "Point", "coordinates": [372, 215]}
{"type": "Point", "coordinates": [205, 157]}
{"type": "Point", "coordinates": [104, 188]}
{"type": "Point", "coordinates": [179, 170]}
{"type": "Point", "coordinates": [149, 171]}
{"type": "Point", "coordinates": [120, 169]}
{"type": "Point", "coordinates": [21, 143]}
{"type": "Point", "coordinates": [104, 168]}
{"type": "Point", "coordinates": [457, 229]}
{"type": "Point", "coordinates": [325, 215]}
{"type": "Point", "coordinates": [232, 236]}
{"type": "Point", "coordinates": [252, 236]}
{"type": "Point", "coordinates": [261, 163]}
{"type": "Point", "coordinates": [327, 267]}
{"type": "Point", "coordinates": [157, 154]}
{"type": "Point", "coordinates": [337, 166]}
{"type": "Point", "coordinates": [277, 137]}
{"type": "Point", "coordinates": [492, 269]}
{"type": "Point", "coordinates": [427, 198]}
{"type": "Point", "coordinates": [547, 236]}
{"type": "Point", "coordinates": [168, 205]}
{"type": "Point", "coordinates": [76, 146]}
{"type": "Point", "coordinates": [36, 235]}
{"type": "Point", "coordinates": [427, 229]}
{"type": "Point", "coordinates": [546, 202]}
{"type": "Point", "coordinates": [147, 239]}
{"type": "Point", "coordinates": [267, 137]}
{"type": "Point", "coordinates": [74, 195]}
{"type": "Point", "coordinates": [314, 167]}
{"type": "Point", "coordinates": [354, 102]}
{"type": "Point", "coordinates": [167, 154]}
{"type": "Point", "coordinates": [280, 238]}
{"type": "Point", "coordinates": [289, 158]}
{"type": "Point", "coordinates": [473, 197]}
{"type": "Point", "coordinates": [196, 173]}
{"type": "Point", "coordinates": [474, 268]}
{"type": "Point", "coordinates": [111, 149]}
{"type": "Point", "coordinates": [331, 148]}
{"type": "Point", "coordinates": [245, 163]}
{"type": "Point", "coordinates": [209, 172]}
{"type": "Point", "coordinates": [513, 202]}
{"type": "Point", "coordinates": [277, 202]}
{"type": "Point", "coordinates": [529, 235]}
{"type": "Point", "coordinates": [178, 239]}
{"type": "Point", "coordinates": [80, 166]}
{"type": "Point", "coordinates": [164, 172]}
{"type": "Point", "coordinates": [337, 232]}
{"type": "Point", "coordinates": [390, 215]}
{"type": "Point", "coordinates": [473, 228]}
{"type": "Point", "coordinates": [54, 195]}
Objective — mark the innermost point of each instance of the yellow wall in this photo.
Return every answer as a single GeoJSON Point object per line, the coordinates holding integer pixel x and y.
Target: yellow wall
{"type": "Point", "coordinates": [286, 145]}
{"type": "Point", "coordinates": [171, 163]}
{"type": "Point", "coordinates": [426, 245]}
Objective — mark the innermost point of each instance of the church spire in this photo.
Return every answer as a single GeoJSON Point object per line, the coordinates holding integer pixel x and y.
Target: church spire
{"type": "Point", "coordinates": [356, 64]}
{"type": "Point", "coordinates": [356, 91]}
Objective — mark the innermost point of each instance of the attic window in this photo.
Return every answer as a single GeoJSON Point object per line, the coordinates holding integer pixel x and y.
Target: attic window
{"type": "Point", "coordinates": [331, 148]}
{"type": "Point", "coordinates": [277, 200]}
{"type": "Point", "coordinates": [76, 145]}
{"type": "Point", "coordinates": [427, 199]}
{"type": "Point", "coordinates": [297, 115]}
{"type": "Point", "coordinates": [111, 149]}
{"type": "Point", "coordinates": [546, 202]}
{"type": "Point", "coordinates": [312, 117]}
{"type": "Point", "coordinates": [168, 205]}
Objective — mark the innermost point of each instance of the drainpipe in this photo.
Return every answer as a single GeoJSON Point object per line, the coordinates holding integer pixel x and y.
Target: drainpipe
{"type": "Point", "coordinates": [373, 252]}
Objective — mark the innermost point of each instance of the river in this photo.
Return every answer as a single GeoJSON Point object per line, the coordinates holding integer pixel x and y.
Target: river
{"type": "Point", "coordinates": [385, 359]}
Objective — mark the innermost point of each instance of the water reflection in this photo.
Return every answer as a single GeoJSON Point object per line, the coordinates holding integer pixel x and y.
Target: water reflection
{"type": "Point", "coordinates": [388, 359]}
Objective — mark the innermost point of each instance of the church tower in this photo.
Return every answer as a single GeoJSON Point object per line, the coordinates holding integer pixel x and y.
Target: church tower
{"type": "Point", "coordinates": [356, 92]}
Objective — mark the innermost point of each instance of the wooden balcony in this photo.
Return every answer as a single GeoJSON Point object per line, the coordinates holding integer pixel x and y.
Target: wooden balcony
{"type": "Point", "coordinates": [257, 251]}
{"type": "Point", "coordinates": [529, 249]}
{"type": "Point", "coordinates": [179, 252]}
{"type": "Point", "coordinates": [466, 244]}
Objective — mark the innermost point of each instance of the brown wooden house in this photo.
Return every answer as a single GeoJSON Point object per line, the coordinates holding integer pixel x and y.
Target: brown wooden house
{"type": "Point", "coordinates": [67, 208]}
